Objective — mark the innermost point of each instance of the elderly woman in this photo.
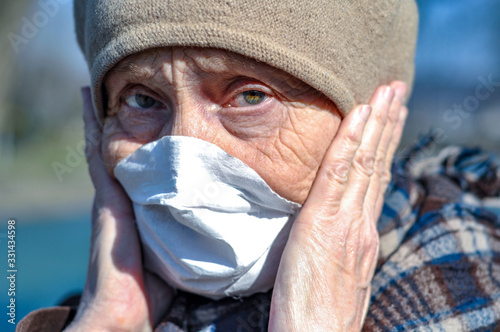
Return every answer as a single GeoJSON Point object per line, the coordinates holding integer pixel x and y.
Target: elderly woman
{"type": "Point", "coordinates": [238, 185]}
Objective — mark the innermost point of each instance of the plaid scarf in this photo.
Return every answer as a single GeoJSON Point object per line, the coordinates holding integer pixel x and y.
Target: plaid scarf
{"type": "Point", "coordinates": [439, 263]}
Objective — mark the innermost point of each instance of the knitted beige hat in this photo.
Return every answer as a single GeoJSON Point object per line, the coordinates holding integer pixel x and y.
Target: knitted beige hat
{"type": "Point", "coordinates": [343, 48]}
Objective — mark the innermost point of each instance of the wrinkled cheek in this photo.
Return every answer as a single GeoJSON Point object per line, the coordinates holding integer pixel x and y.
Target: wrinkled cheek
{"type": "Point", "coordinates": [116, 145]}
{"type": "Point", "coordinates": [146, 126]}
{"type": "Point", "coordinates": [263, 123]}
{"type": "Point", "coordinates": [115, 150]}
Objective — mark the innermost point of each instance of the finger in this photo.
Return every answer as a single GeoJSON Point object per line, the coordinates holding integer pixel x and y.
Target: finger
{"type": "Point", "coordinates": [91, 127]}
{"type": "Point", "coordinates": [110, 202]}
{"type": "Point", "coordinates": [400, 90]}
{"type": "Point", "coordinates": [93, 141]}
{"type": "Point", "coordinates": [362, 169]}
{"type": "Point", "coordinates": [332, 177]}
{"type": "Point", "coordinates": [398, 132]}
{"type": "Point", "coordinates": [382, 171]}
{"type": "Point", "coordinates": [393, 145]}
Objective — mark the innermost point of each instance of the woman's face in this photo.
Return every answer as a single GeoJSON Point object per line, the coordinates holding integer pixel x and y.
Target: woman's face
{"type": "Point", "coordinates": [273, 122]}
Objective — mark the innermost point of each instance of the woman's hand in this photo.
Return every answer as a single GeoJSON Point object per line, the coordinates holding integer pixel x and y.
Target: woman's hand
{"type": "Point", "coordinates": [118, 295]}
{"type": "Point", "coordinates": [323, 281]}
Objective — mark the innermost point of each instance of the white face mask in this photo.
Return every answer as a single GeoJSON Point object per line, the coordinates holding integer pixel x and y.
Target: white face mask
{"type": "Point", "coordinates": [209, 224]}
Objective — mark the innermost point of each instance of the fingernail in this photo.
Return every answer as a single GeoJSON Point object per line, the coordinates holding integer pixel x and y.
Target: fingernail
{"type": "Point", "coordinates": [366, 110]}
{"type": "Point", "coordinates": [388, 93]}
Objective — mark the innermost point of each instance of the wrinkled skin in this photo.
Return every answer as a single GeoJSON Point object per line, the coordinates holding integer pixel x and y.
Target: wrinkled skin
{"type": "Point", "coordinates": [291, 135]}
{"type": "Point", "coordinates": [284, 138]}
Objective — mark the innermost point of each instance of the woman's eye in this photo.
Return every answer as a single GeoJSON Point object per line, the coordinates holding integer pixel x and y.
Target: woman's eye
{"type": "Point", "coordinates": [142, 101]}
{"type": "Point", "coordinates": [248, 98]}
{"type": "Point", "coordinates": [254, 97]}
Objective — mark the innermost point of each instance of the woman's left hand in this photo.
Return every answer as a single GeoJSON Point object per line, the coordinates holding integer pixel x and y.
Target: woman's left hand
{"type": "Point", "coordinates": [119, 295]}
{"type": "Point", "coordinates": [323, 281]}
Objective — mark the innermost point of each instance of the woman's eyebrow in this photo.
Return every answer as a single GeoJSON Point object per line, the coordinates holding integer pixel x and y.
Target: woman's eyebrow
{"type": "Point", "coordinates": [135, 72]}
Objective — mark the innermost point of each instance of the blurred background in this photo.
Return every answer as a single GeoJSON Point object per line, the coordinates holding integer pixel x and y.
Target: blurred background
{"type": "Point", "coordinates": [44, 184]}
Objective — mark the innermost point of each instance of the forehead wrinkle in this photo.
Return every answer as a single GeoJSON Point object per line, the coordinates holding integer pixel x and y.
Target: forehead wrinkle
{"type": "Point", "coordinates": [218, 62]}
{"type": "Point", "coordinates": [212, 64]}
{"type": "Point", "coordinates": [230, 66]}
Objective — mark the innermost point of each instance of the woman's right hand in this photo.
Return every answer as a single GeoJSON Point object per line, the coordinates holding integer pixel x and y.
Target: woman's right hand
{"type": "Point", "coordinates": [118, 295]}
{"type": "Point", "coordinates": [325, 272]}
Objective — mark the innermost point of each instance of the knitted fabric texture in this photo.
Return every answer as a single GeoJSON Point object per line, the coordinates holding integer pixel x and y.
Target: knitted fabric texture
{"type": "Point", "coordinates": [343, 48]}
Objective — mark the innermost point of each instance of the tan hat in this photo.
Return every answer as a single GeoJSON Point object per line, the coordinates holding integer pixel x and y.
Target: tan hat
{"type": "Point", "coordinates": [343, 48]}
